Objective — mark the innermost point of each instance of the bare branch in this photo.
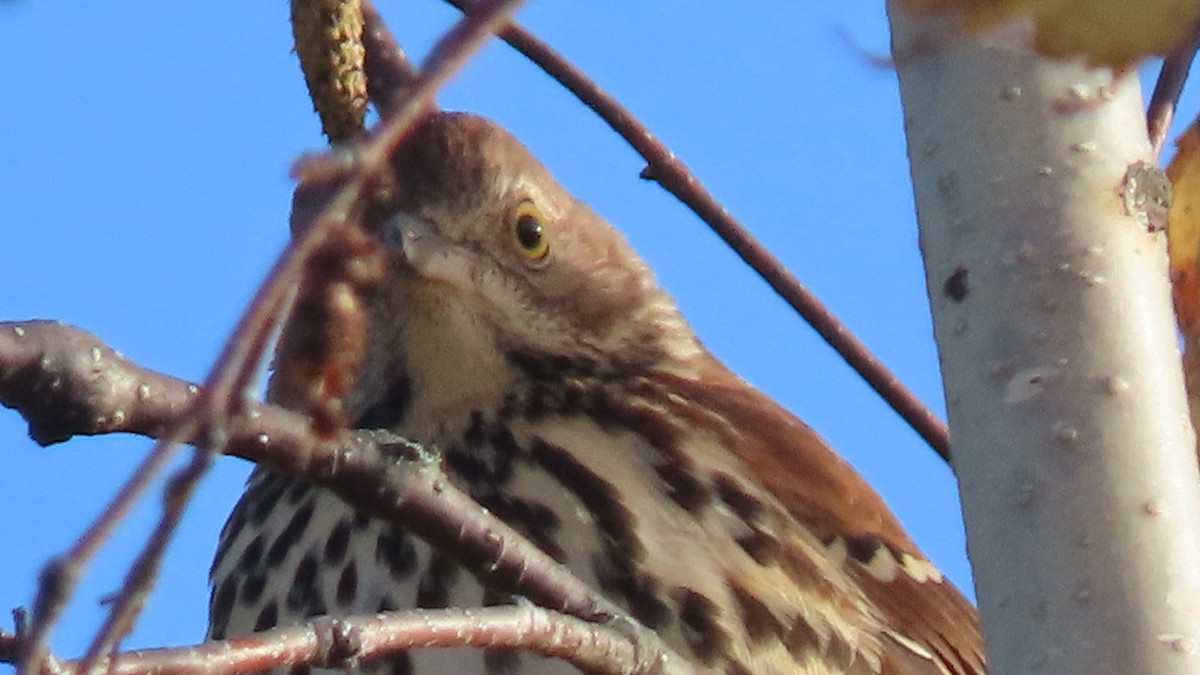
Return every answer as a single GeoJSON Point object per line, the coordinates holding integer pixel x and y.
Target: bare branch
{"type": "Point", "coordinates": [406, 484]}
{"type": "Point", "coordinates": [141, 575]}
{"type": "Point", "coordinates": [1168, 88]}
{"type": "Point", "coordinates": [223, 393]}
{"type": "Point", "coordinates": [389, 72]}
{"type": "Point", "coordinates": [328, 642]}
{"type": "Point", "coordinates": [673, 175]}
{"type": "Point", "coordinates": [66, 382]}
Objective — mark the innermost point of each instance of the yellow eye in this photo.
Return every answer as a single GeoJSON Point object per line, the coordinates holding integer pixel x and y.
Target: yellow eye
{"type": "Point", "coordinates": [527, 229]}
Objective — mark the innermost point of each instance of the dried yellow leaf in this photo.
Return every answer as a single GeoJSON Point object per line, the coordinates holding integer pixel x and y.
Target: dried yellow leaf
{"type": "Point", "coordinates": [1114, 33]}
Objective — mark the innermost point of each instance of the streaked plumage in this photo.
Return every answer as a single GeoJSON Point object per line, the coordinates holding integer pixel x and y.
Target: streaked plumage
{"type": "Point", "coordinates": [570, 397]}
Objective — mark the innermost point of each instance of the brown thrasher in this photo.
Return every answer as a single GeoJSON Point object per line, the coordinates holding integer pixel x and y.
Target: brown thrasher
{"type": "Point", "coordinates": [517, 332]}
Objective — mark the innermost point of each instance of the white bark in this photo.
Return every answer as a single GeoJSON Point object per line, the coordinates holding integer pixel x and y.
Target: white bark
{"type": "Point", "coordinates": [1067, 411]}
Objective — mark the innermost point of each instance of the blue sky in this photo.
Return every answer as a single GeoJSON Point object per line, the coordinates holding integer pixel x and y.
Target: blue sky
{"type": "Point", "coordinates": [144, 193]}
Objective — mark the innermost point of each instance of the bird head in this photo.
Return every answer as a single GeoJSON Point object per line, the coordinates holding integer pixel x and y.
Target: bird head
{"type": "Point", "coordinates": [496, 271]}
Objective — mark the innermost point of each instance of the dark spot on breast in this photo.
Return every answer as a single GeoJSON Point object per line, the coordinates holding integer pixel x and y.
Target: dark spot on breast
{"type": "Point", "coordinates": [473, 436]}
{"type": "Point", "coordinates": [658, 428]}
{"type": "Point", "coordinates": [616, 563]}
{"type": "Point", "coordinates": [338, 542]}
{"type": "Point", "coordinates": [732, 493]}
{"type": "Point", "coordinates": [390, 410]}
{"type": "Point", "coordinates": [540, 366]}
{"type": "Point", "coordinates": [615, 520]}
{"type": "Point", "coordinates": [267, 617]}
{"type": "Point", "coordinates": [536, 521]}
{"type": "Point", "coordinates": [557, 396]}
{"type": "Point", "coordinates": [862, 548]}
{"type": "Point", "coordinates": [647, 604]}
{"type": "Point", "coordinates": [760, 543]}
{"type": "Point", "coordinates": [507, 409]}
{"type": "Point", "coordinates": [761, 624]}
{"type": "Point", "coordinates": [300, 670]}
{"type": "Point", "coordinates": [261, 496]}
{"type": "Point", "coordinates": [614, 575]}
{"type": "Point", "coordinates": [290, 535]}
{"type": "Point", "coordinates": [541, 400]}
{"type": "Point", "coordinates": [220, 605]}
{"type": "Point", "coordinates": [252, 555]}
{"type": "Point", "coordinates": [504, 461]}
{"type": "Point", "coordinates": [574, 396]}
{"type": "Point", "coordinates": [394, 550]}
{"type": "Point", "coordinates": [641, 592]}
{"type": "Point", "coordinates": [361, 521]}
{"type": "Point", "coordinates": [601, 407]}
{"type": "Point", "coordinates": [347, 585]}
{"type": "Point", "coordinates": [433, 590]}
{"type": "Point", "coordinates": [955, 287]}
{"type": "Point", "coordinates": [468, 467]}
{"type": "Point", "coordinates": [762, 546]}
{"type": "Point", "coordinates": [503, 442]}
{"type": "Point", "coordinates": [536, 515]}
{"type": "Point", "coordinates": [252, 588]}
{"type": "Point", "coordinates": [299, 490]}
{"type": "Point", "coordinates": [304, 592]}
{"type": "Point", "coordinates": [683, 487]}
{"type": "Point", "coordinates": [706, 637]}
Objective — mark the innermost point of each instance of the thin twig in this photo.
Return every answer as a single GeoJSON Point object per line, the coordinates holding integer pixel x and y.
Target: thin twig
{"type": "Point", "coordinates": [1167, 89]}
{"type": "Point", "coordinates": [221, 394]}
{"type": "Point", "coordinates": [389, 72]}
{"type": "Point", "coordinates": [144, 569]}
{"type": "Point", "coordinates": [285, 441]}
{"type": "Point", "coordinates": [406, 486]}
{"type": "Point", "coordinates": [340, 643]}
{"type": "Point", "coordinates": [670, 172]}
{"type": "Point", "coordinates": [223, 390]}
{"type": "Point", "coordinates": [60, 575]}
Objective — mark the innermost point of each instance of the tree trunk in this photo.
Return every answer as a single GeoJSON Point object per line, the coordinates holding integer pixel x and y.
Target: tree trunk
{"type": "Point", "coordinates": [1067, 412]}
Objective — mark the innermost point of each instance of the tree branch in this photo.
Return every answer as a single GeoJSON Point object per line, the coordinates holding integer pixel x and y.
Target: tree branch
{"type": "Point", "coordinates": [665, 168]}
{"type": "Point", "coordinates": [339, 643]}
{"type": "Point", "coordinates": [375, 472]}
{"type": "Point", "coordinates": [1167, 89]}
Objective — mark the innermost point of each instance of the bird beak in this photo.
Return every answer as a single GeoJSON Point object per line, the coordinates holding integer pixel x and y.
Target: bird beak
{"type": "Point", "coordinates": [411, 235]}
{"type": "Point", "coordinates": [421, 246]}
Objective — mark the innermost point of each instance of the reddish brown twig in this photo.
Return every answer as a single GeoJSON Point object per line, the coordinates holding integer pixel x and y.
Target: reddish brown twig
{"type": "Point", "coordinates": [222, 394]}
{"type": "Point", "coordinates": [670, 172]}
{"type": "Point", "coordinates": [139, 579]}
{"type": "Point", "coordinates": [375, 472]}
{"type": "Point", "coordinates": [389, 72]}
{"type": "Point", "coordinates": [344, 642]}
{"type": "Point", "coordinates": [1167, 89]}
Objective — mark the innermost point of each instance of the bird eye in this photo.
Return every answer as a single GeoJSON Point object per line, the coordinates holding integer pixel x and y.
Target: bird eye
{"type": "Point", "coordinates": [527, 228]}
